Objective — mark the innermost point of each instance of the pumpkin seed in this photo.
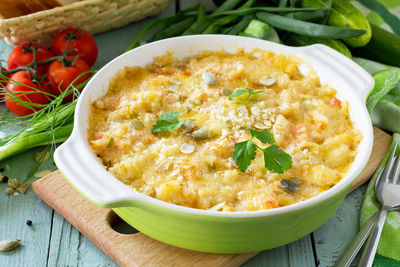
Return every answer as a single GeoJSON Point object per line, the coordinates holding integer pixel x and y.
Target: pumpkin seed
{"type": "Point", "coordinates": [202, 133]}
{"type": "Point", "coordinates": [267, 80]}
{"type": "Point", "coordinates": [188, 109]}
{"type": "Point", "coordinates": [13, 183]}
{"type": "Point", "coordinates": [110, 142]}
{"type": "Point", "coordinates": [209, 78]}
{"type": "Point", "coordinates": [187, 125]}
{"type": "Point", "coordinates": [226, 91]}
{"type": "Point", "coordinates": [9, 191]}
{"type": "Point", "coordinates": [42, 156]}
{"type": "Point", "coordinates": [9, 244]}
{"type": "Point", "coordinates": [288, 186]}
{"type": "Point", "coordinates": [137, 125]}
{"type": "Point", "coordinates": [23, 187]}
{"type": "Point", "coordinates": [187, 148]}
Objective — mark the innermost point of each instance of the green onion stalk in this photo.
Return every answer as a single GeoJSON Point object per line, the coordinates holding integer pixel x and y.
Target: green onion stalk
{"type": "Point", "coordinates": [51, 125]}
{"type": "Point", "coordinates": [49, 137]}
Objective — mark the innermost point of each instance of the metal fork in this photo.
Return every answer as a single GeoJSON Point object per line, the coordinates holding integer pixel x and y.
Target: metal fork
{"type": "Point", "coordinates": [387, 190]}
{"type": "Point", "coordinates": [354, 247]}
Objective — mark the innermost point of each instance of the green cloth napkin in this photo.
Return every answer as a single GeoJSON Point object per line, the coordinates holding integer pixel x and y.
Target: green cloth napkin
{"type": "Point", "coordinates": [384, 107]}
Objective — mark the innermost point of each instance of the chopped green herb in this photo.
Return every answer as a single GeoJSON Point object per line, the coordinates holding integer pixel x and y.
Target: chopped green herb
{"type": "Point", "coordinates": [275, 159]}
{"type": "Point", "coordinates": [169, 120]}
{"type": "Point", "coordinates": [247, 91]}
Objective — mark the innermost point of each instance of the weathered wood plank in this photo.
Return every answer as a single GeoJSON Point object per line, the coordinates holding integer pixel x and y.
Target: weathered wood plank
{"type": "Point", "coordinates": [299, 253]}
{"type": "Point", "coordinates": [15, 210]}
{"type": "Point", "coordinates": [332, 238]}
{"type": "Point", "coordinates": [70, 248]}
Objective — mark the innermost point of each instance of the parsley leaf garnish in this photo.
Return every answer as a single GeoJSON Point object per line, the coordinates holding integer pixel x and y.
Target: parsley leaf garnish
{"type": "Point", "coordinates": [169, 120]}
{"type": "Point", "coordinates": [275, 159]}
{"type": "Point", "coordinates": [244, 153]}
{"type": "Point", "coordinates": [247, 91]}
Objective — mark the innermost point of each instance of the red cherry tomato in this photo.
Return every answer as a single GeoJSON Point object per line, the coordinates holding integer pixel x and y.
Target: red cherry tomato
{"type": "Point", "coordinates": [81, 41]}
{"type": "Point", "coordinates": [23, 55]}
{"type": "Point", "coordinates": [31, 96]}
{"type": "Point", "coordinates": [61, 77]}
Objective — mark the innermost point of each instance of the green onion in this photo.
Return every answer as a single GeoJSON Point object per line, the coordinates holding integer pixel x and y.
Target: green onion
{"type": "Point", "coordinates": [44, 138]}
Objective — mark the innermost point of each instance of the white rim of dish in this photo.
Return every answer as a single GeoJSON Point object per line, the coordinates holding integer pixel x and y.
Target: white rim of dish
{"type": "Point", "coordinates": [359, 163]}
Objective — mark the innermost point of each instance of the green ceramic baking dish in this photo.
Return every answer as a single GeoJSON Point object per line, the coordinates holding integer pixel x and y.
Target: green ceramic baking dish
{"type": "Point", "coordinates": [205, 230]}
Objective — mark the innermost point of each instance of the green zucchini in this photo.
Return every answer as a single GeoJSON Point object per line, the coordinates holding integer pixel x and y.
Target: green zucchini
{"type": "Point", "coordinates": [384, 47]}
{"type": "Point", "coordinates": [301, 40]}
{"type": "Point", "coordinates": [344, 14]}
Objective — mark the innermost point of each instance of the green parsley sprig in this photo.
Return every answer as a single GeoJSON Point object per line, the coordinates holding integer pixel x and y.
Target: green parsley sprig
{"type": "Point", "coordinates": [244, 91]}
{"type": "Point", "coordinates": [169, 120]}
{"type": "Point", "coordinates": [275, 159]}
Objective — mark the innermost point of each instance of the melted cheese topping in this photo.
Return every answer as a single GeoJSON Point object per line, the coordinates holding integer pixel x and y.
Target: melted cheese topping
{"type": "Point", "coordinates": [306, 118]}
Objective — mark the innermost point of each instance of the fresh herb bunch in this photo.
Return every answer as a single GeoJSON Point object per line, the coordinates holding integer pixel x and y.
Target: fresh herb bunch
{"type": "Point", "coordinates": [275, 159]}
{"type": "Point", "coordinates": [48, 126]}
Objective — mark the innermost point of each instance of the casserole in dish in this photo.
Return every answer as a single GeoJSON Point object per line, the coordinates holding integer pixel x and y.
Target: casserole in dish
{"type": "Point", "coordinates": [207, 230]}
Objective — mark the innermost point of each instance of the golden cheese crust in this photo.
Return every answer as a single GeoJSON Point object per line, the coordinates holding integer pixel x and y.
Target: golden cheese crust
{"type": "Point", "coordinates": [305, 117]}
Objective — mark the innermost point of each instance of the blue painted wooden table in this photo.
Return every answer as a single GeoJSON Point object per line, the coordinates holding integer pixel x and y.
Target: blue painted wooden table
{"type": "Point", "coordinates": [52, 241]}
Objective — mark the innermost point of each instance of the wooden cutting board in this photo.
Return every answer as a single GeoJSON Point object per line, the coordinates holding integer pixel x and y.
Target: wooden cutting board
{"type": "Point", "coordinates": [138, 249]}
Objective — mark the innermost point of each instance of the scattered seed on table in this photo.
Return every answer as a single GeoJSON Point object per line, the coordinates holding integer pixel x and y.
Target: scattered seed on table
{"type": "Point", "coordinates": [42, 156]}
{"type": "Point", "coordinates": [9, 244]}
{"type": "Point", "coordinates": [9, 191]}
{"type": "Point", "coordinates": [5, 179]}
{"type": "Point", "coordinates": [1, 169]}
{"type": "Point", "coordinates": [13, 183]}
{"type": "Point", "coordinates": [29, 222]}
{"type": "Point", "coordinates": [41, 174]}
{"type": "Point", "coordinates": [23, 187]}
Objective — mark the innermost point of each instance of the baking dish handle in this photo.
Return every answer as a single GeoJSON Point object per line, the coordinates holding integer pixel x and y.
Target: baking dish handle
{"type": "Point", "coordinates": [326, 59]}
{"type": "Point", "coordinates": [88, 176]}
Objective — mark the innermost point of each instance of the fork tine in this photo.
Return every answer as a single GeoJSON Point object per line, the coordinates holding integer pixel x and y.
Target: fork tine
{"type": "Point", "coordinates": [386, 175]}
{"type": "Point", "coordinates": [396, 175]}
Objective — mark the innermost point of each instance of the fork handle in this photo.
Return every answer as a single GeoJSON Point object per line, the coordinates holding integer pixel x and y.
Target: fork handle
{"type": "Point", "coordinates": [354, 247]}
{"type": "Point", "coordinates": [368, 255]}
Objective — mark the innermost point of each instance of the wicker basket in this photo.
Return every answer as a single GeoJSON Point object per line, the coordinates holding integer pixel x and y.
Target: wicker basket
{"type": "Point", "coordinates": [95, 16]}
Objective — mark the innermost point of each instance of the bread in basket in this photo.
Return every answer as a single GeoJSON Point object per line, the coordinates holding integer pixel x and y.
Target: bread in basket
{"type": "Point", "coordinates": [25, 20]}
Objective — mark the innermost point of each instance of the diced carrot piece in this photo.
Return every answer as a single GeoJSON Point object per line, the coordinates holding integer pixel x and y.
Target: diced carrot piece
{"type": "Point", "coordinates": [335, 102]}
